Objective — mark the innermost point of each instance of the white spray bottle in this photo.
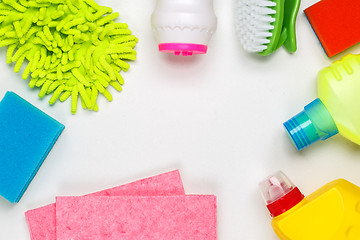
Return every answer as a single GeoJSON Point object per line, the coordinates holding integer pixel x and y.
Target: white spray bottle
{"type": "Point", "coordinates": [184, 26]}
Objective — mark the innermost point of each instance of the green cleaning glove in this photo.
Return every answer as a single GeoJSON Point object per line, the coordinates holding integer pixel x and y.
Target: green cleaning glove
{"type": "Point", "coordinates": [73, 47]}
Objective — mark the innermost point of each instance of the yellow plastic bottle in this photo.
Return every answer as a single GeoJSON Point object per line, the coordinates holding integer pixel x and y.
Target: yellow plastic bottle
{"type": "Point", "coordinates": [337, 110]}
{"type": "Point", "coordinates": [330, 213]}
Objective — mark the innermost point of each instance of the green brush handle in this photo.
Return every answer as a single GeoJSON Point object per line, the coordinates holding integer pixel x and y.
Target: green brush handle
{"type": "Point", "coordinates": [288, 34]}
{"type": "Point", "coordinates": [284, 27]}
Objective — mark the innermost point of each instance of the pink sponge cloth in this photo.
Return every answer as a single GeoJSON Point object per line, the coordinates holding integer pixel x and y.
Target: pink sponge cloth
{"type": "Point", "coordinates": [189, 217]}
{"type": "Point", "coordinates": [41, 221]}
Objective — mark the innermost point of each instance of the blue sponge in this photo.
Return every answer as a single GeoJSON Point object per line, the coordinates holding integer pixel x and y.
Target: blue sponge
{"type": "Point", "coordinates": [26, 137]}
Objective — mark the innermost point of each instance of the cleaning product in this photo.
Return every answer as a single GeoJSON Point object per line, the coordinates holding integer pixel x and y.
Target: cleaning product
{"type": "Point", "coordinates": [265, 25]}
{"type": "Point", "coordinates": [335, 23]}
{"type": "Point", "coordinates": [27, 136]}
{"type": "Point", "coordinates": [74, 48]}
{"type": "Point", "coordinates": [184, 26]}
{"type": "Point", "coordinates": [330, 213]}
{"type": "Point", "coordinates": [336, 110]}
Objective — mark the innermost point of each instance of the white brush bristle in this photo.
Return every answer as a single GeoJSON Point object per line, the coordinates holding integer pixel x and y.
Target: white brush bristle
{"type": "Point", "coordinates": [253, 23]}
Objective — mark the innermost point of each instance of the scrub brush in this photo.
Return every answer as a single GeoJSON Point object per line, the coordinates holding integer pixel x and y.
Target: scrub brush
{"type": "Point", "coordinates": [265, 25]}
{"type": "Point", "coordinates": [74, 49]}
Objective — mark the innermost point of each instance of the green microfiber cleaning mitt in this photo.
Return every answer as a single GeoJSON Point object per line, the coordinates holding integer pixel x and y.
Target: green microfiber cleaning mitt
{"type": "Point", "coordinates": [73, 47]}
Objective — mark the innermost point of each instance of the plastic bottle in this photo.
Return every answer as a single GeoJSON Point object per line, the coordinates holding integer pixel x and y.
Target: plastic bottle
{"type": "Point", "coordinates": [337, 110]}
{"type": "Point", "coordinates": [184, 26]}
{"type": "Point", "coordinates": [330, 213]}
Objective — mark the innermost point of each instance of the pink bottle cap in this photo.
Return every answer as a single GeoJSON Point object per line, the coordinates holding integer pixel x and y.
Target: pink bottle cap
{"type": "Point", "coordinates": [186, 49]}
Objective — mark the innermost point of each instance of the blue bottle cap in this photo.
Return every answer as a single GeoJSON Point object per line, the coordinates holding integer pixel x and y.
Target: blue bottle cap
{"type": "Point", "coordinates": [311, 125]}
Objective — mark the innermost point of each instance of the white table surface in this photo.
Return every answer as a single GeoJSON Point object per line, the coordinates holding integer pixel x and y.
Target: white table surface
{"type": "Point", "coordinates": [217, 118]}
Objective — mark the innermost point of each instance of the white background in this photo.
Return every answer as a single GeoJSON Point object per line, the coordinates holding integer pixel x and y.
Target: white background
{"type": "Point", "coordinates": [217, 118]}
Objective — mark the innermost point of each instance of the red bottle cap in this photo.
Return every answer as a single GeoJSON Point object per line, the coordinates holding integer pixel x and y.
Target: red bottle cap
{"type": "Point", "coordinates": [280, 194]}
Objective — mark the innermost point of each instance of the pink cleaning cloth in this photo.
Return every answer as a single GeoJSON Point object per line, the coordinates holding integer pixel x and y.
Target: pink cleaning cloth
{"type": "Point", "coordinates": [188, 217]}
{"type": "Point", "coordinates": [42, 223]}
